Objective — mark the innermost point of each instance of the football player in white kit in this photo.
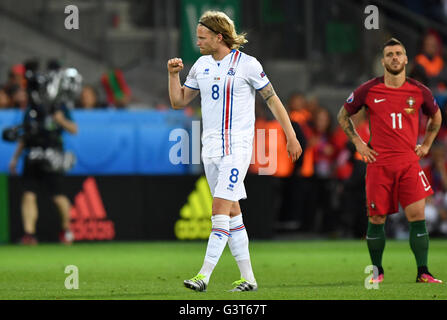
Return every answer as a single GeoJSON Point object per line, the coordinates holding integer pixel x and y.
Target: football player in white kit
{"type": "Point", "coordinates": [227, 80]}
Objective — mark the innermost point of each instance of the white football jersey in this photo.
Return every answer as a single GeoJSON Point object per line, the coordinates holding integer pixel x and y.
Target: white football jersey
{"type": "Point", "coordinates": [227, 89]}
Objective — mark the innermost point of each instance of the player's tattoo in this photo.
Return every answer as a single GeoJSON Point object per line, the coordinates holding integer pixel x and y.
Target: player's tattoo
{"type": "Point", "coordinates": [267, 92]}
{"type": "Point", "coordinates": [346, 123]}
{"type": "Point", "coordinates": [432, 127]}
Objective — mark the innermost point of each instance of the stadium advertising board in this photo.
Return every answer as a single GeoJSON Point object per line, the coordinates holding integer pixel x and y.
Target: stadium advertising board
{"type": "Point", "coordinates": [132, 208]}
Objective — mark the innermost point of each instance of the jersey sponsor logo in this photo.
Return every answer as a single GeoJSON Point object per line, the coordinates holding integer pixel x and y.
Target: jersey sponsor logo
{"type": "Point", "coordinates": [410, 102]}
{"type": "Point", "coordinates": [207, 71]}
{"type": "Point", "coordinates": [422, 234]}
{"type": "Point", "coordinates": [379, 100]}
{"type": "Point", "coordinates": [350, 98]}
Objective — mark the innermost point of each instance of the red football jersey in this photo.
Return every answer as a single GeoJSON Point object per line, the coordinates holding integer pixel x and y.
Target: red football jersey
{"type": "Point", "coordinates": [393, 116]}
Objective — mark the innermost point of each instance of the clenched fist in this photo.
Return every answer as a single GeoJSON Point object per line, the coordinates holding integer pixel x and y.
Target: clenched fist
{"type": "Point", "coordinates": [421, 150]}
{"type": "Point", "coordinates": [175, 65]}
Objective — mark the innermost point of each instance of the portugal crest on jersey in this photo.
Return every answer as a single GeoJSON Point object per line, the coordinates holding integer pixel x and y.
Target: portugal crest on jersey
{"type": "Point", "coordinates": [410, 102]}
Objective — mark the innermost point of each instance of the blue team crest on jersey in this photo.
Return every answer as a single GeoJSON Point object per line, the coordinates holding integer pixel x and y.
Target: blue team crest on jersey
{"type": "Point", "coordinates": [231, 72]}
{"type": "Point", "coordinates": [350, 98]}
{"type": "Point", "coordinates": [207, 71]}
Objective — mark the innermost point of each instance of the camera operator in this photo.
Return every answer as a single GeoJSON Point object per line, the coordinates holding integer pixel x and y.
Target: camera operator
{"type": "Point", "coordinates": [45, 161]}
{"type": "Point", "coordinates": [35, 176]}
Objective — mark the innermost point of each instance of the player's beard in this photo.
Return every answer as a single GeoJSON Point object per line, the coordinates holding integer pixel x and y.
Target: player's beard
{"type": "Point", "coordinates": [206, 51]}
{"type": "Point", "coordinates": [395, 72]}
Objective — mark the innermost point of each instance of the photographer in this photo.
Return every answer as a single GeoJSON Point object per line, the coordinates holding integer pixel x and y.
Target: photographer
{"type": "Point", "coordinates": [45, 161]}
{"type": "Point", "coordinates": [35, 175]}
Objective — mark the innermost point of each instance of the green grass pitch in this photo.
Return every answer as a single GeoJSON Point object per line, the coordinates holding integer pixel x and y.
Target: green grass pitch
{"type": "Point", "coordinates": [285, 270]}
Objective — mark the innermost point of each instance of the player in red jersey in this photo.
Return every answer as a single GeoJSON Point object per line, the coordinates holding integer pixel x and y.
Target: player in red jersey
{"type": "Point", "coordinates": [393, 173]}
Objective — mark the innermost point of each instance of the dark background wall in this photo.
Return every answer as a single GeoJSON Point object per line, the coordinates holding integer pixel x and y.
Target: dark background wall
{"type": "Point", "coordinates": [143, 207]}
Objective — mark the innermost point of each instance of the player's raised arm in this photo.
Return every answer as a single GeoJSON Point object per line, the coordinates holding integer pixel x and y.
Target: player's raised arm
{"type": "Point", "coordinates": [179, 95]}
{"type": "Point", "coordinates": [274, 103]}
{"type": "Point", "coordinates": [347, 125]}
{"type": "Point", "coordinates": [433, 126]}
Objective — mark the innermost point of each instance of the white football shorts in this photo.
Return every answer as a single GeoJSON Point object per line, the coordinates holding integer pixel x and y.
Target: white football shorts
{"type": "Point", "coordinates": [226, 175]}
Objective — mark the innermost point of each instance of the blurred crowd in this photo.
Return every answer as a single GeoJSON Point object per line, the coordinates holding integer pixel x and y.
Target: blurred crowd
{"type": "Point", "coordinates": [112, 90]}
{"type": "Point", "coordinates": [324, 192]}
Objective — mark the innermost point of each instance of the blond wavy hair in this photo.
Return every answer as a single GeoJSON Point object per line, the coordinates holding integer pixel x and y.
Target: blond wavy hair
{"type": "Point", "coordinates": [219, 22]}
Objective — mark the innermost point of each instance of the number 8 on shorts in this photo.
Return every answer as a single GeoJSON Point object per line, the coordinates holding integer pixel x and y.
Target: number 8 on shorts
{"type": "Point", "coordinates": [234, 175]}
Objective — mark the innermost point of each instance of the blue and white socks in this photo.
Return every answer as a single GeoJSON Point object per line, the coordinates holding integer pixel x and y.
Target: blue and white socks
{"type": "Point", "coordinates": [216, 243]}
{"type": "Point", "coordinates": [232, 231]}
{"type": "Point", "coordinates": [238, 243]}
